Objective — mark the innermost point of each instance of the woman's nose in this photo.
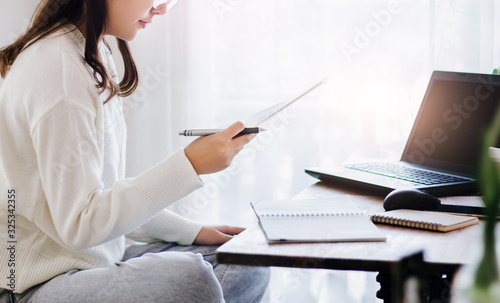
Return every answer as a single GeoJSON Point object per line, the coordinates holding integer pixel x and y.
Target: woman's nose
{"type": "Point", "coordinates": [160, 10]}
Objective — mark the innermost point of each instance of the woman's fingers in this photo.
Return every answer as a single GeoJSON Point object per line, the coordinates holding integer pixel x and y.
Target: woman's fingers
{"type": "Point", "coordinates": [229, 230]}
{"type": "Point", "coordinates": [232, 130]}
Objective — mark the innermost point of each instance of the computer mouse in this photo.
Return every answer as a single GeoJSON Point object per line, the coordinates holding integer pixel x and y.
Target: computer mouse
{"type": "Point", "coordinates": [410, 198]}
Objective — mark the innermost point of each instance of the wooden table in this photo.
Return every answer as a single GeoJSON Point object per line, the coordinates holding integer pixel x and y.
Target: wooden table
{"type": "Point", "coordinates": [443, 253]}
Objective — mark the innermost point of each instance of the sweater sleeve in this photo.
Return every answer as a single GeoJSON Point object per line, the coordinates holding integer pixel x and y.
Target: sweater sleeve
{"type": "Point", "coordinates": [74, 208]}
{"type": "Point", "coordinates": [167, 226]}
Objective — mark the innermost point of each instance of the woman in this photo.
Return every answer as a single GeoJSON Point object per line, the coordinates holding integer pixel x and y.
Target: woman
{"type": "Point", "coordinates": [62, 142]}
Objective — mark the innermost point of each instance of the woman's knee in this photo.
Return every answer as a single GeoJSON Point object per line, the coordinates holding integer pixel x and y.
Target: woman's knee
{"type": "Point", "coordinates": [243, 283]}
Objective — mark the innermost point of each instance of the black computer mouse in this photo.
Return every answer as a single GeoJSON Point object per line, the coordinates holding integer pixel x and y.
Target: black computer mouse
{"type": "Point", "coordinates": [410, 198]}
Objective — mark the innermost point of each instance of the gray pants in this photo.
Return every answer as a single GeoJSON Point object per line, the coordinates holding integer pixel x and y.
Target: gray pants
{"type": "Point", "coordinates": [157, 272]}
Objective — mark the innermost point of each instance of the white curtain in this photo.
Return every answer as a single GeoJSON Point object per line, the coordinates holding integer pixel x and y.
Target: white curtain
{"type": "Point", "coordinates": [228, 59]}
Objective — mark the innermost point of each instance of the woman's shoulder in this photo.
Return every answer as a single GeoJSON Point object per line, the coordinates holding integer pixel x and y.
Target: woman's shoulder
{"type": "Point", "coordinates": [58, 53]}
{"type": "Point", "coordinates": [54, 67]}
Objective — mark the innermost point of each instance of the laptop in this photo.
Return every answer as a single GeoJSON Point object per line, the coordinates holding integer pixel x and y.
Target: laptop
{"type": "Point", "coordinates": [442, 152]}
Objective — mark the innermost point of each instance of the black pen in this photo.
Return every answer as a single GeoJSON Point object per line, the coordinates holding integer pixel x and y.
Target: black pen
{"type": "Point", "coordinates": [206, 132]}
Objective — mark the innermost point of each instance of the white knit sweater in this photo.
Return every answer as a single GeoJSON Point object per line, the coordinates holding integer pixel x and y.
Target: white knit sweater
{"type": "Point", "coordinates": [62, 155]}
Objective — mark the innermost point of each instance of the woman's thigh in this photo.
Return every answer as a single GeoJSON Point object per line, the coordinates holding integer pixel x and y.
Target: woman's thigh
{"type": "Point", "coordinates": [239, 283]}
{"type": "Point", "coordinates": [153, 277]}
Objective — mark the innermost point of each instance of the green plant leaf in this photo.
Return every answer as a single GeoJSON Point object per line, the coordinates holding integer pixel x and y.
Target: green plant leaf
{"type": "Point", "coordinates": [488, 179]}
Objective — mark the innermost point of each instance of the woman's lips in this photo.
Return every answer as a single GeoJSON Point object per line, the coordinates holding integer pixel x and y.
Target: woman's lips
{"type": "Point", "coordinates": [144, 23]}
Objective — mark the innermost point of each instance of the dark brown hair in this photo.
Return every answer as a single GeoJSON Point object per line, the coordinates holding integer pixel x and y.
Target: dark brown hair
{"type": "Point", "coordinates": [52, 15]}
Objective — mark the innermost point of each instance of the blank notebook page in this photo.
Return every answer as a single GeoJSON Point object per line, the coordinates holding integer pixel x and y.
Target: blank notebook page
{"type": "Point", "coordinates": [315, 220]}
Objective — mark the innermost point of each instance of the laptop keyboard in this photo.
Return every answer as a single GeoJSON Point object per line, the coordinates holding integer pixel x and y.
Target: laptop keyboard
{"type": "Point", "coordinates": [403, 172]}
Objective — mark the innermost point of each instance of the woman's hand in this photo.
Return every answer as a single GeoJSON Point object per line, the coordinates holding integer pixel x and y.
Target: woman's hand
{"type": "Point", "coordinates": [214, 235]}
{"type": "Point", "coordinates": [214, 153]}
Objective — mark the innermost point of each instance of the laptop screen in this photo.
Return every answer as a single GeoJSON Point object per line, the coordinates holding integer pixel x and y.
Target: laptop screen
{"type": "Point", "coordinates": [456, 110]}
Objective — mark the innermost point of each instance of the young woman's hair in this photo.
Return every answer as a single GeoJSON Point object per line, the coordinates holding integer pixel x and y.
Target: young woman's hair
{"type": "Point", "coordinates": [52, 15]}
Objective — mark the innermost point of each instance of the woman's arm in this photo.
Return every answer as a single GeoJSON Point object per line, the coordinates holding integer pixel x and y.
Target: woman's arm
{"type": "Point", "coordinates": [77, 211]}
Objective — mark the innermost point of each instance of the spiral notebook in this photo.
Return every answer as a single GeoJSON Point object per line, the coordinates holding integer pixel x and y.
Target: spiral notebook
{"type": "Point", "coordinates": [428, 220]}
{"type": "Point", "coordinates": [314, 220]}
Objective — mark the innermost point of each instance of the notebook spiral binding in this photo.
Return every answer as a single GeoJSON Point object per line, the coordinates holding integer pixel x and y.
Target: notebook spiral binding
{"type": "Point", "coordinates": [311, 214]}
{"type": "Point", "coordinates": [406, 223]}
